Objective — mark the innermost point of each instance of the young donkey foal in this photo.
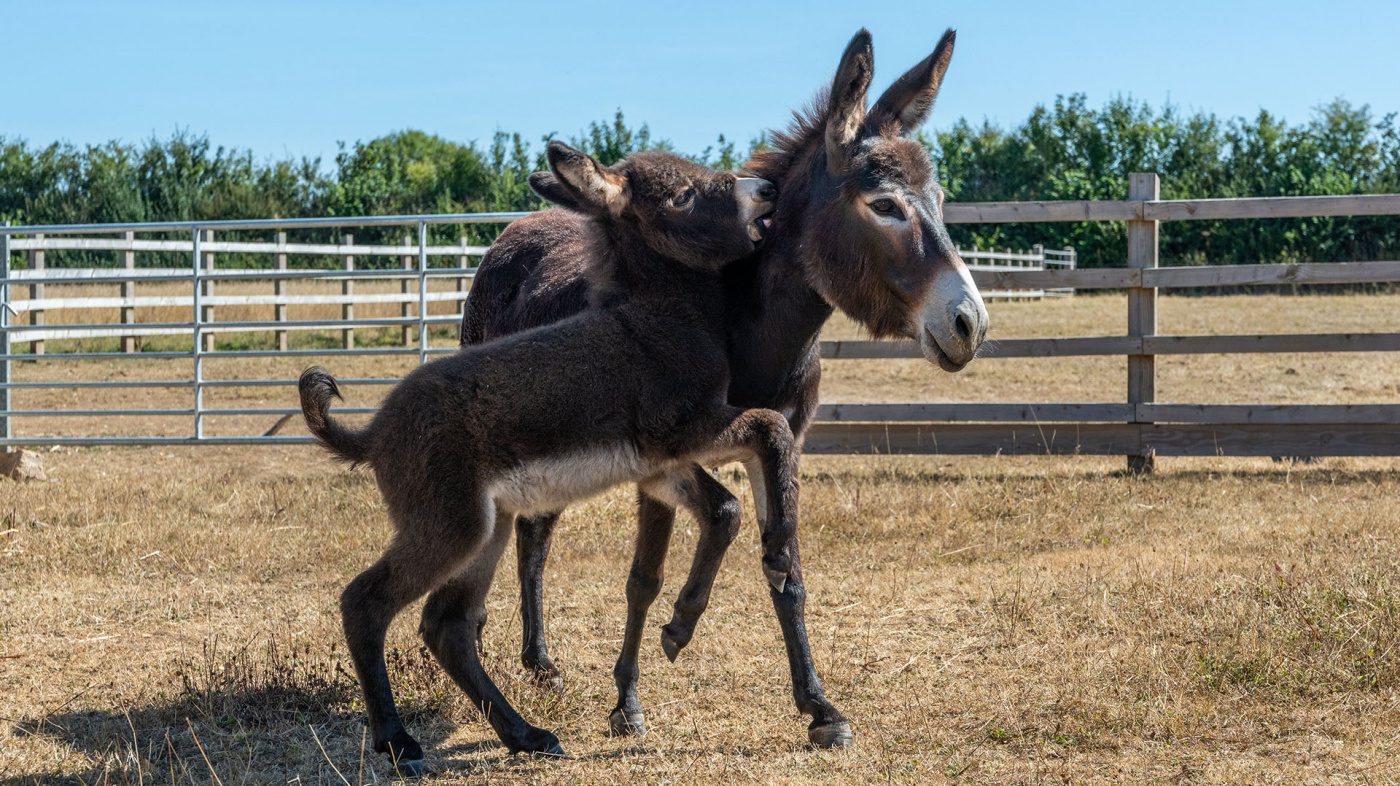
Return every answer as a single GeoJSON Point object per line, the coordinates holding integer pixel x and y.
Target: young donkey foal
{"type": "Point", "coordinates": [633, 389]}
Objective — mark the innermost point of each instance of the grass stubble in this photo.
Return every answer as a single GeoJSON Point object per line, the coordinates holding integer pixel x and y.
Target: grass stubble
{"type": "Point", "coordinates": [168, 615]}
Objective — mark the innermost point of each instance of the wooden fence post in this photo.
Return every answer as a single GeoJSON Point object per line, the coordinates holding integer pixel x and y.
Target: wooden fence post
{"type": "Point", "coordinates": [347, 288]}
{"type": "Point", "coordinates": [208, 292]}
{"type": "Point", "coordinates": [405, 309]}
{"type": "Point", "coordinates": [36, 292]}
{"type": "Point", "coordinates": [129, 292]}
{"type": "Point", "coordinates": [1142, 308]}
{"type": "Point", "coordinates": [279, 288]}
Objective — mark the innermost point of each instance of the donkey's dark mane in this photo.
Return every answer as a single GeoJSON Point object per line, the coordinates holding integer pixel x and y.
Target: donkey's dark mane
{"type": "Point", "coordinates": [804, 133]}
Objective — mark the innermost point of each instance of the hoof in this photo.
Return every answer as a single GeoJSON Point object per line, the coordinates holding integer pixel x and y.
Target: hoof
{"type": "Point", "coordinates": [831, 735]}
{"type": "Point", "coordinates": [627, 724]}
{"type": "Point", "coordinates": [778, 578]}
{"type": "Point", "coordinates": [548, 678]}
{"type": "Point", "coordinates": [543, 743]}
{"type": "Point", "coordinates": [410, 768]}
{"type": "Point", "coordinates": [670, 645]}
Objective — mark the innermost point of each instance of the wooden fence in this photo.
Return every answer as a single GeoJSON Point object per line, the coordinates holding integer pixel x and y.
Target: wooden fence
{"type": "Point", "coordinates": [1140, 428]}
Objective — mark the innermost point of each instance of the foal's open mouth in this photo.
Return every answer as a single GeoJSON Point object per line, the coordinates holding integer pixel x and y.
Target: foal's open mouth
{"type": "Point", "coordinates": [758, 229]}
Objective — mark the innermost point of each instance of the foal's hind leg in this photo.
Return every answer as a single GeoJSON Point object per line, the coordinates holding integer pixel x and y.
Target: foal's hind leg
{"type": "Point", "coordinates": [451, 620]}
{"type": "Point", "coordinates": [532, 538]}
{"type": "Point", "coordinates": [426, 550]}
{"type": "Point", "coordinates": [717, 511]}
{"type": "Point", "coordinates": [655, 520]}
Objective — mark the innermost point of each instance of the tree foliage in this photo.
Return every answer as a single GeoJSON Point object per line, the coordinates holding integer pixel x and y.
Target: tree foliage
{"type": "Point", "coordinates": [1067, 150]}
{"type": "Point", "coordinates": [1070, 151]}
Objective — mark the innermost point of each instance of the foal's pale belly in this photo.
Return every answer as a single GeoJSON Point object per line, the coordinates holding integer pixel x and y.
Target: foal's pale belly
{"type": "Point", "coordinates": [549, 484]}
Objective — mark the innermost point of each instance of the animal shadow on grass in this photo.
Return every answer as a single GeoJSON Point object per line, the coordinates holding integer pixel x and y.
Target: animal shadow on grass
{"type": "Point", "coordinates": [265, 712]}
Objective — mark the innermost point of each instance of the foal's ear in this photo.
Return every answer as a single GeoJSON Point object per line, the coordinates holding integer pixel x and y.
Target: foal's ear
{"type": "Point", "coordinates": [581, 183]}
{"type": "Point", "coordinates": [847, 107]}
{"type": "Point", "coordinates": [551, 190]}
{"type": "Point", "coordinates": [910, 99]}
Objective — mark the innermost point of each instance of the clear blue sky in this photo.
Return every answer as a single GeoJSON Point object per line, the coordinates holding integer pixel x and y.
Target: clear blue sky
{"type": "Point", "coordinates": [294, 77]}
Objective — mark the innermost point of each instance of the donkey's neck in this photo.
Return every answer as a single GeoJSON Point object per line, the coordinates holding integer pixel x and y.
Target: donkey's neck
{"type": "Point", "coordinates": [774, 318]}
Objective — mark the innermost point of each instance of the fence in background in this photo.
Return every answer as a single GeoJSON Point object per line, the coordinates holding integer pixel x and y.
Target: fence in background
{"type": "Point", "coordinates": [346, 251]}
{"type": "Point", "coordinates": [1139, 428]}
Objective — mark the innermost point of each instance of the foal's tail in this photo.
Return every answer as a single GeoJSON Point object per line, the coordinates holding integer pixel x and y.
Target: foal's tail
{"type": "Point", "coordinates": [317, 388]}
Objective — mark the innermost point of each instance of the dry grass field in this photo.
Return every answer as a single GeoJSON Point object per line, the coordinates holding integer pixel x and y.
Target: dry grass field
{"type": "Point", "coordinates": [168, 615]}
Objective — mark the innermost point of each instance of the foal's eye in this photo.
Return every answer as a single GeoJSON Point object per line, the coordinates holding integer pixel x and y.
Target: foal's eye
{"type": "Point", "coordinates": [886, 207]}
{"type": "Point", "coordinates": [683, 198]}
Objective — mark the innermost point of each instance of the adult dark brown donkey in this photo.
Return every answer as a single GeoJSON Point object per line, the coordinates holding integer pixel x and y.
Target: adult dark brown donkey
{"type": "Point", "coordinates": [858, 227]}
{"type": "Point", "coordinates": [631, 390]}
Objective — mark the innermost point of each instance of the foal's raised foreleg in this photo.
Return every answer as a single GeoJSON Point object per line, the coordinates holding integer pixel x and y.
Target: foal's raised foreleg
{"type": "Point", "coordinates": [655, 520]}
{"type": "Point", "coordinates": [532, 538]}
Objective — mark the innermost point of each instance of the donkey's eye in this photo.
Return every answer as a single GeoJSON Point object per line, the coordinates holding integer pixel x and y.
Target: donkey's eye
{"type": "Point", "coordinates": [886, 207]}
{"type": "Point", "coordinates": [683, 198]}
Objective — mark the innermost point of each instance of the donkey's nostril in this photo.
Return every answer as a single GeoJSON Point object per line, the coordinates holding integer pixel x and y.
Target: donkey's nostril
{"type": "Point", "coordinates": [768, 191]}
{"type": "Point", "coordinates": [963, 327]}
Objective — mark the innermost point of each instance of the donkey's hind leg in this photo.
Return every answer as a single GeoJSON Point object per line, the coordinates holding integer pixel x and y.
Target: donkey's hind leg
{"type": "Point", "coordinates": [425, 551]}
{"type": "Point", "coordinates": [717, 512]}
{"type": "Point", "coordinates": [532, 538]}
{"type": "Point", "coordinates": [451, 621]}
{"type": "Point", "coordinates": [655, 519]}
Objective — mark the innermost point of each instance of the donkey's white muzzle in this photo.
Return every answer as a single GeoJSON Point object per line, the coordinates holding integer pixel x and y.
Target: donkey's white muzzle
{"type": "Point", "coordinates": [953, 320]}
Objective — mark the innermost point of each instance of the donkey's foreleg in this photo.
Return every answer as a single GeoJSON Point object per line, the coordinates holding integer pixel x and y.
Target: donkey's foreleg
{"type": "Point", "coordinates": [775, 458]}
{"type": "Point", "coordinates": [655, 520]}
{"type": "Point", "coordinates": [718, 514]}
{"type": "Point", "coordinates": [451, 619]}
{"type": "Point", "coordinates": [829, 728]}
{"type": "Point", "coordinates": [532, 538]}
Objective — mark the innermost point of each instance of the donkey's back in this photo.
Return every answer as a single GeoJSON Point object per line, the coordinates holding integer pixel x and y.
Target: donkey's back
{"type": "Point", "coordinates": [533, 275]}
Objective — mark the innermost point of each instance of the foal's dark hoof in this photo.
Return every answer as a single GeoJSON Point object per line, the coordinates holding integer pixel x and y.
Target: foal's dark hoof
{"type": "Point", "coordinates": [627, 724]}
{"type": "Point", "coordinates": [777, 578]}
{"type": "Point", "coordinates": [543, 670]}
{"type": "Point", "coordinates": [831, 735]}
{"type": "Point", "coordinates": [404, 752]}
{"type": "Point", "coordinates": [548, 678]}
{"type": "Point", "coordinates": [670, 645]}
{"type": "Point", "coordinates": [542, 743]}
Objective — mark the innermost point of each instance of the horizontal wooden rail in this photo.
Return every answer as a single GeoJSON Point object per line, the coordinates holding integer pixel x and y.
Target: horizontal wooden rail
{"type": "Point", "coordinates": [1182, 277]}
{"type": "Point", "coordinates": [1218, 414]}
{"type": "Point", "coordinates": [1105, 439]}
{"type": "Point", "coordinates": [1173, 209]}
{"type": "Point", "coordinates": [1130, 345]}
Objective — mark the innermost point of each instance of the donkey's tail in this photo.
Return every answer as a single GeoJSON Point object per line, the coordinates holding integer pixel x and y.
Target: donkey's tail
{"type": "Point", "coordinates": [317, 388]}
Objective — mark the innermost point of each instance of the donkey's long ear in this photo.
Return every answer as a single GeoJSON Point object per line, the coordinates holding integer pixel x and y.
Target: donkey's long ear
{"type": "Point", "coordinates": [583, 182]}
{"type": "Point", "coordinates": [551, 190]}
{"type": "Point", "coordinates": [910, 99]}
{"type": "Point", "coordinates": [847, 107]}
